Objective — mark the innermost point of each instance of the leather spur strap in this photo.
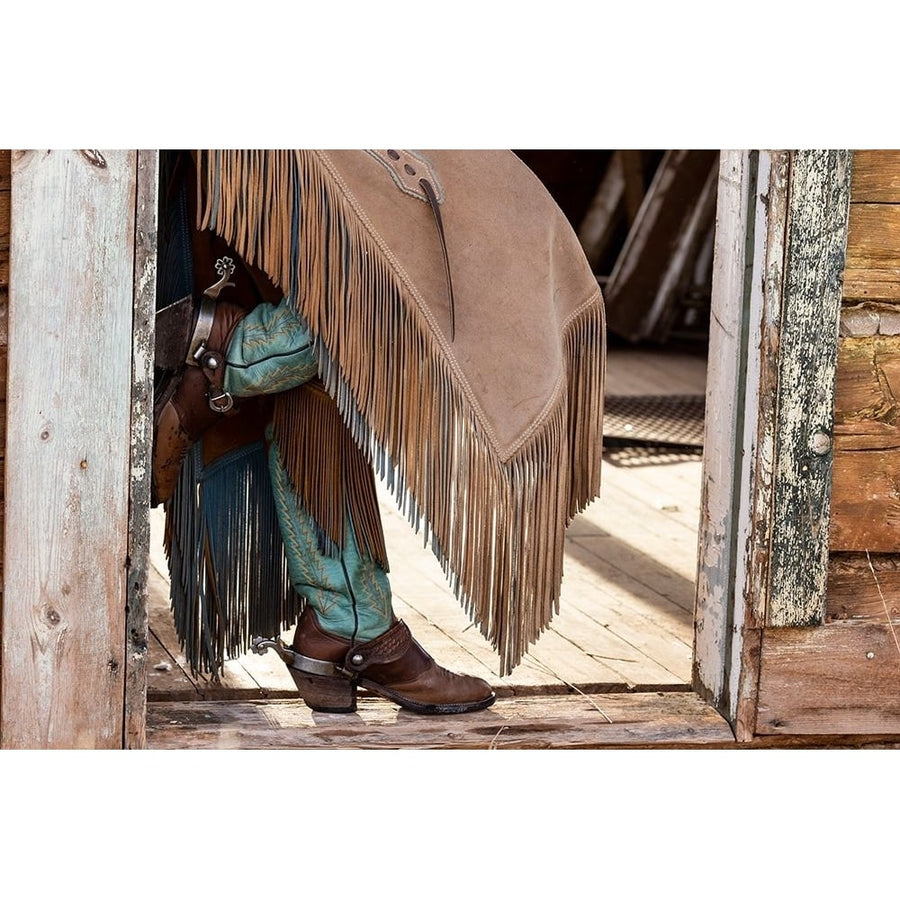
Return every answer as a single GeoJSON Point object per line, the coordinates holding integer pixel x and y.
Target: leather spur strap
{"type": "Point", "coordinates": [386, 648]}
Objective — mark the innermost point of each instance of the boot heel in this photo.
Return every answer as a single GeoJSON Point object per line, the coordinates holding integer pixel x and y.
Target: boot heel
{"type": "Point", "coordinates": [323, 693]}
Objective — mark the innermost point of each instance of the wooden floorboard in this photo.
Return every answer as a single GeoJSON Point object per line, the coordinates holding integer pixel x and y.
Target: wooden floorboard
{"type": "Point", "coordinates": [541, 722]}
{"type": "Point", "coordinates": [624, 629]}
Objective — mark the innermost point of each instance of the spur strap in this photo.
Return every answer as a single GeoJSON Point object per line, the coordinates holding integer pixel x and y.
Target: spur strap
{"type": "Point", "coordinates": [386, 648]}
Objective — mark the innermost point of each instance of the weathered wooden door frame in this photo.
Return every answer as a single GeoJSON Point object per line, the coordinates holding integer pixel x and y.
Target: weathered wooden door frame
{"type": "Point", "coordinates": [780, 239]}
{"type": "Point", "coordinates": [763, 547]}
{"type": "Point", "coordinates": [81, 300]}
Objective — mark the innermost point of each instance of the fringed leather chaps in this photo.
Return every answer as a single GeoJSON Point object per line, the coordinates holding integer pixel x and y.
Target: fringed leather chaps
{"type": "Point", "coordinates": [460, 331]}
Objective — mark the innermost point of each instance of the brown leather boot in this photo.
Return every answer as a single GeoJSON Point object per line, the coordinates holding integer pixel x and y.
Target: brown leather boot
{"type": "Point", "coordinates": [393, 665]}
{"type": "Point", "coordinates": [193, 397]}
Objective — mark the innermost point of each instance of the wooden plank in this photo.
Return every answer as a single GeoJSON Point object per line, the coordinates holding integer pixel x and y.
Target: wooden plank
{"type": "Point", "coordinates": [866, 501]}
{"type": "Point", "coordinates": [69, 409]}
{"type": "Point", "coordinates": [873, 236]}
{"type": "Point", "coordinates": [658, 491]}
{"type": "Point", "coordinates": [876, 176]}
{"type": "Point", "coordinates": [647, 644]}
{"type": "Point", "coordinates": [862, 586]}
{"type": "Point", "coordinates": [877, 285]}
{"type": "Point", "coordinates": [599, 223]}
{"type": "Point", "coordinates": [4, 338]}
{"type": "Point", "coordinates": [575, 721]}
{"type": "Point", "coordinates": [136, 626]}
{"type": "Point", "coordinates": [736, 525]}
{"type": "Point", "coordinates": [867, 408]}
{"type": "Point", "coordinates": [734, 256]}
{"type": "Point", "coordinates": [807, 354]}
{"type": "Point", "coordinates": [5, 203]}
{"type": "Point", "coordinates": [635, 188]}
{"type": "Point", "coordinates": [235, 680]}
{"type": "Point", "coordinates": [552, 662]}
{"type": "Point", "coordinates": [166, 680]}
{"type": "Point", "coordinates": [4, 283]}
{"type": "Point", "coordinates": [662, 245]}
{"type": "Point", "coordinates": [833, 679]}
{"type": "Point", "coordinates": [619, 563]}
{"type": "Point", "coordinates": [866, 478]}
{"type": "Point", "coordinates": [631, 371]}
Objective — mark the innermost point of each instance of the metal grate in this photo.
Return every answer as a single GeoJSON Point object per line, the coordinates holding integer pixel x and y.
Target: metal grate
{"type": "Point", "coordinates": [659, 428]}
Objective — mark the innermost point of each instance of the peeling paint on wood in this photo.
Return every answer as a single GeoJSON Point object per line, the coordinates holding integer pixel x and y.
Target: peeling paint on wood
{"type": "Point", "coordinates": [137, 628]}
{"type": "Point", "coordinates": [69, 408]}
{"type": "Point", "coordinates": [816, 240]}
{"type": "Point", "coordinates": [712, 635]}
{"type": "Point", "coordinates": [744, 340]}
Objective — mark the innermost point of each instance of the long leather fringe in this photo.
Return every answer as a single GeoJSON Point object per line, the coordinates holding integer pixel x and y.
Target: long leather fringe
{"type": "Point", "coordinates": [497, 526]}
{"type": "Point", "coordinates": [229, 578]}
{"type": "Point", "coordinates": [329, 471]}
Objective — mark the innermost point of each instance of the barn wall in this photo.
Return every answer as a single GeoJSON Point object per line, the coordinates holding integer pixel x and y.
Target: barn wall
{"type": "Point", "coordinates": [840, 677]}
{"type": "Point", "coordinates": [865, 528]}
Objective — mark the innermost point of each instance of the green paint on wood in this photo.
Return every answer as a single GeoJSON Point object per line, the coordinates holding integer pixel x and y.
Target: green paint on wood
{"type": "Point", "coordinates": [816, 245]}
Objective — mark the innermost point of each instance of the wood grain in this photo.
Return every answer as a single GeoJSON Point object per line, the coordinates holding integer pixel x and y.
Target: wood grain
{"type": "Point", "coordinates": [70, 310]}
{"type": "Point", "coordinates": [735, 510]}
{"type": "Point", "coordinates": [867, 393]}
{"type": "Point", "coordinates": [864, 587]}
{"type": "Point", "coordinates": [144, 305]}
{"type": "Point", "coordinates": [575, 721]}
{"type": "Point", "coordinates": [873, 236]}
{"type": "Point", "coordinates": [829, 680]}
{"type": "Point", "coordinates": [876, 285]}
{"type": "Point", "coordinates": [866, 478]}
{"type": "Point", "coordinates": [807, 359]}
{"type": "Point", "coordinates": [5, 201]}
{"type": "Point", "coordinates": [876, 176]}
{"type": "Point", "coordinates": [662, 244]}
{"type": "Point", "coordinates": [735, 215]}
{"type": "Point", "coordinates": [4, 296]}
{"type": "Point", "coordinates": [866, 501]}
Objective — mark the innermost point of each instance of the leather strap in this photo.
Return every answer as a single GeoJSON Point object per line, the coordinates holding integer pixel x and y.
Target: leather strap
{"type": "Point", "coordinates": [212, 364]}
{"type": "Point", "coordinates": [386, 648]}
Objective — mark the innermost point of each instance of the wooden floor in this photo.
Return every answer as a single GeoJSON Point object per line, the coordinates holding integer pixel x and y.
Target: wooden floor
{"type": "Point", "coordinates": [621, 643]}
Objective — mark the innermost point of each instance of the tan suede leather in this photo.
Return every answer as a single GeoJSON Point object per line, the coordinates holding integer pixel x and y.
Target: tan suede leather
{"type": "Point", "coordinates": [492, 431]}
{"type": "Point", "coordinates": [394, 665]}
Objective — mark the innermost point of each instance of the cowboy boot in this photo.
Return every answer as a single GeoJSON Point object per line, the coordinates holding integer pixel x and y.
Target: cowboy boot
{"type": "Point", "coordinates": [328, 670]}
{"type": "Point", "coordinates": [193, 398]}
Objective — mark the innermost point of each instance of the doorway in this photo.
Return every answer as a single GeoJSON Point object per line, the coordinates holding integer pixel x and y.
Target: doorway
{"type": "Point", "coordinates": [627, 603]}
